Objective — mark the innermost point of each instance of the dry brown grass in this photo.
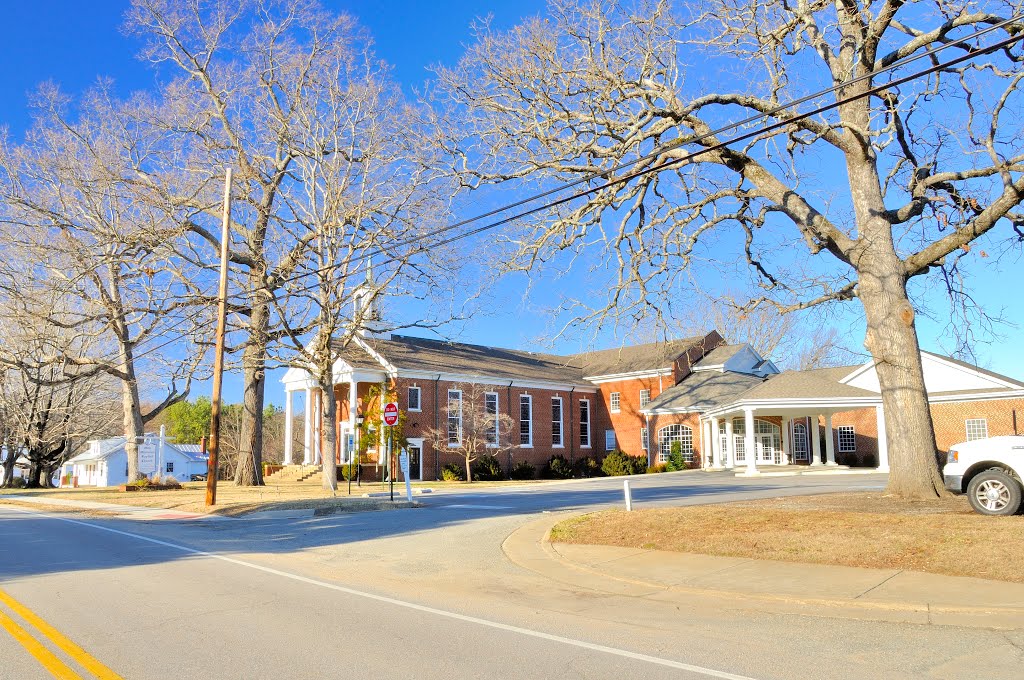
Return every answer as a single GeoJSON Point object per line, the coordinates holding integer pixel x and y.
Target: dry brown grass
{"type": "Point", "coordinates": [231, 500]}
{"type": "Point", "coordinates": [858, 530]}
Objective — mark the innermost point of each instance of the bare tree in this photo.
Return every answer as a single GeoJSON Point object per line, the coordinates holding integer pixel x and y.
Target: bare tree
{"type": "Point", "coordinates": [472, 429]}
{"type": "Point", "coordinates": [932, 164]}
{"type": "Point", "coordinates": [85, 251]}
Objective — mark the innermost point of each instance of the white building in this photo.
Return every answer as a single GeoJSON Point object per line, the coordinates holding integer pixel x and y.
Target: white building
{"type": "Point", "coordinates": [105, 462]}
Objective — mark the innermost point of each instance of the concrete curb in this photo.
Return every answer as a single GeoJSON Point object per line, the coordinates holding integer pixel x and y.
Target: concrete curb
{"type": "Point", "coordinates": [530, 547]}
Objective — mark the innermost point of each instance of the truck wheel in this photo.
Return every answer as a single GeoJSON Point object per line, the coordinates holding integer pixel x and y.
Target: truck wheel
{"type": "Point", "coordinates": [994, 492]}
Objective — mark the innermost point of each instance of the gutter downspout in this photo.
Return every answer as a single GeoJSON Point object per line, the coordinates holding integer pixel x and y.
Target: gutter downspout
{"type": "Point", "coordinates": [572, 437]}
{"type": "Point", "coordinates": [647, 421]}
{"type": "Point", "coordinates": [497, 434]}
{"type": "Point", "coordinates": [437, 426]}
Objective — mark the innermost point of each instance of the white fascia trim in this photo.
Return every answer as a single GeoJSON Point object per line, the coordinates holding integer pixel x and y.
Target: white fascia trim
{"type": "Point", "coordinates": [672, 411]}
{"type": "Point", "coordinates": [828, 403]}
{"type": "Point", "coordinates": [973, 372]}
{"type": "Point", "coordinates": [615, 377]}
{"type": "Point", "coordinates": [856, 372]}
{"type": "Point", "coordinates": [982, 396]}
{"type": "Point", "coordinates": [497, 382]}
{"type": "Point", "coordinates": [392, 371]}
{"type": "Point", "coordinates": [710, 367]}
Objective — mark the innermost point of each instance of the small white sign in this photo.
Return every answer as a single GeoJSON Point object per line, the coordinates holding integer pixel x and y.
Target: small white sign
{"type": "Point", "coordinates": [147, 458]}
{"type": "Point", "coordinates": [403, 462]}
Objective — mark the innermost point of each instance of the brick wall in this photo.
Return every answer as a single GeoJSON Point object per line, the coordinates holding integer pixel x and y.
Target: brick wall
{"type": "Point", "coordinates": [628, 422]}
{"type": "Point", "coordinates": [950, 419]}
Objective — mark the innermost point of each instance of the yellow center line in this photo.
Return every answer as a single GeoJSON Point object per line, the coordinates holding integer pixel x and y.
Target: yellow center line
{"type": "Point", "coordinates": [87, 661]}
{"type": "Point", "coordinates": [50, 662]}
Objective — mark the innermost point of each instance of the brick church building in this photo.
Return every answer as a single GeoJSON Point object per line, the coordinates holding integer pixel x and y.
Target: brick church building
{"type": "Point", "coordinates": [727, 406]}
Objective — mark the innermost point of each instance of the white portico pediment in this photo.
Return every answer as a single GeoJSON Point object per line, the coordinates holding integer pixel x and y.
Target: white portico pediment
{"type": "Point", "coordinates": [299, 378]}
{"type": "Point", "coordinates": [941, 375]}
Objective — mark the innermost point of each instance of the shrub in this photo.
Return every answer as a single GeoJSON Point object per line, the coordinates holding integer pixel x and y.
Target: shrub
{"type": "Point", "coordinates": [170, 481]}
{"type": "Point", "coordinates": [453, 472]}
{"type": "Point", "coordinates": [675, 458]}
{"type": "Point", "coordinates": [587, 467]}
{"type": "Point", "coordinates": [142, 482]}
{"type": "Point", "coordinates": [487, 469]}
{"type": "Point", "coordinates": [657, 467]}
{"type": "Point", "coordinates": [522, 470]}
{"type": "Point", "coordinates": [618, 463]}
{"type": "Point", "coordinates": [557, 467]}
{"type": "Point", "coordinates": [870, 460]}
{"type": "Point", "coordinates": [17, 483]}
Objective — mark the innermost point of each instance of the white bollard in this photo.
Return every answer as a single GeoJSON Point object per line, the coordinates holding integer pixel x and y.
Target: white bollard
{"type": "Point", "coordinates": [629, 496]}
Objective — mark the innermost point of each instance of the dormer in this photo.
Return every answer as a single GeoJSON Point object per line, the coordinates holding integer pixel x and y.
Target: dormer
{"type": "Point", "coordinates": [739, 358]}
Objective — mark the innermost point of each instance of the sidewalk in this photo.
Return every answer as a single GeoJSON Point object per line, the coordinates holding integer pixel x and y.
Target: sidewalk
{"type": "Point", "coordinates": [126, 511]}
{"type": "Point", "coordinates": [779, 587]}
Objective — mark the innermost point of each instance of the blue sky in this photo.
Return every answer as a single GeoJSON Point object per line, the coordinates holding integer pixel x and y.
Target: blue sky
{"type": "Point", "coordinates": [73, 43]}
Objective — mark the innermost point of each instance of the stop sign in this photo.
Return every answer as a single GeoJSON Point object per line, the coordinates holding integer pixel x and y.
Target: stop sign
{"type": "Point", "coordinates": [390, 413]}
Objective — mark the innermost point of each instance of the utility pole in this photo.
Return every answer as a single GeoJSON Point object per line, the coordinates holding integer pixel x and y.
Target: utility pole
{"type": "Point", "coordinates": [218, 357]}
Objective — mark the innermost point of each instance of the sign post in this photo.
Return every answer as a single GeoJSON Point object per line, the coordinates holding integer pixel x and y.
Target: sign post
{"type": "Point", "coordinates": [403, 462]}
{"type": "Point", "coordinates": [390, 417]}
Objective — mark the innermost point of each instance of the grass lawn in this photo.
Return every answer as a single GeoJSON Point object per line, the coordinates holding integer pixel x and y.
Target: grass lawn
{"type": "Point", "coordinates": [235, 500]}
{"type": "Point", "coordinates": [854, 529]}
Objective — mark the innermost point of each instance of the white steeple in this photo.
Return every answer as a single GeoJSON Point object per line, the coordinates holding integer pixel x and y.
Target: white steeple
{"type": "Point", "coordinates": [367, 311]}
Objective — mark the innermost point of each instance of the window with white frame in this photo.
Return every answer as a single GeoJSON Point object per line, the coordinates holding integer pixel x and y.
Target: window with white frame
{"type": "Point", "coordinates": [800, 442]}
{"type": "Point", "coordinates": [556, 422]}
{"type": "Point", "coordinates": [585, 423]}
{"type": "Point", "coordinates": [847, 439]}
{"type": "Point", "coordinates": [525, 420]}
{"type": "Point", "coordinates": [616, 400]}
{"type": "Point", "coordinates": [454, 417]}
{"type": "Point", "coordinates": [977, 428]}
{"type": "Point", "coordinates": [645, 439]}
{"type": "Point", "coordinates": [609, 440]}
{"type": "Point", "coordinates": [491, 412]}
{"type": "Point", "coordinates": [645, 398]}
{"type": "Point", "coordinates": [414, 399]}
{"type": "Point", "coordinates": [675, 433]}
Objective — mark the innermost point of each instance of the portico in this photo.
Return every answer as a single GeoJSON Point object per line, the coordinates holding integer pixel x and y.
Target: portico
{"type": "Point", "coordinates": [753, 434]}
{"type": "Point", "coordinates": [351, 385]}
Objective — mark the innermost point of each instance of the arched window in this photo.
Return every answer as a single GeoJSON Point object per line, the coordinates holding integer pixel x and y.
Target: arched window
{"type": "Point", "coordinates": [675, 433]}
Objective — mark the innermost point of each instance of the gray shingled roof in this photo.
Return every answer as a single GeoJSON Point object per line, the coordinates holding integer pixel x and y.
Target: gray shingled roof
{"type": "Point", "coordinates": [649, 357]}
{"type": "Point", "coordinates": [704, 390]}
{"type": "Point", "coordinates": [420, 354]}
{"type": "Point", "coordinates": [819, 383]}
{"type": "Point", "coordinates": [719, 355]}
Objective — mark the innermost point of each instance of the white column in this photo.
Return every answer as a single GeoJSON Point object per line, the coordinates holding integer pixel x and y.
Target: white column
{"type": "Point", "coordinates": [307, 429]}
{"type": "Point", "coordinates": [730, 446]}
{"type": "Point", "coordinates": [318, 424]}
{"type": "Point", "coordinates": [883, 440]}
{"type": "Point", "coordinates": [814, 432]}
{"type": "Point", "coordinates": [785, 440]}
{"type": "Point", "coordinates": [716, 443]}
{"type": "Point", "coordinates": [288, 395]}
{"type": "Point", "coordinates": [748, 441]}
{"type": "Point", "coordinates": [703, 450]}
{"type": "Point", "coordinates": [353, 401]}
{"type": "Point", "coordinates": [830, 445]}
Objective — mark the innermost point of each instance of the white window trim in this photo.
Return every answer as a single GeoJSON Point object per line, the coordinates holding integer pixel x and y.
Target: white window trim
{"type": "Point", "coordinates": [615, 402]}
{"type": "Point", "coordinates": [448, 419]}
{"type": "Point", "coordinates": [615, 440]}
{"type": "Point", "coordinates": [529, 398]}
{"type": "Point", "coordinates": [645, 439]}
{"type": "Point", "coordinates": [648, 400]}
{"type": "Point", "coordinates": [497, 410]}
{"type": "Point", "coordinates": [561, 423]}
{"type": "Point", "coordinates": [590, 415]}
{"type": "Point", "coordinates": [839, 438]}
{"type": "Point", "coordinates": [967, 428]}
{"type": "Point", "coordinates": [419, 398]}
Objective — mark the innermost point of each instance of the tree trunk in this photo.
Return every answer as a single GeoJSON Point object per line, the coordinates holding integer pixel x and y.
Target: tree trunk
{"type": "Point", "coordinates": [254, 364]}
{"type": "Point", "coordinates": [892, 340]}
{"type": "Point", "coordinates": [133, 428]}
{"type": "Point", "coordinates": [329, 431]}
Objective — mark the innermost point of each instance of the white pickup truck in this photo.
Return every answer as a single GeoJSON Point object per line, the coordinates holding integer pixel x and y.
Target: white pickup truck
{"type": "Point", "coordinates": [990, 471]}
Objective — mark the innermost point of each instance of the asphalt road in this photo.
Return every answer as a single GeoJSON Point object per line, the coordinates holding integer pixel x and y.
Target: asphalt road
{"type": "Point", "coordinates": [427, 593]}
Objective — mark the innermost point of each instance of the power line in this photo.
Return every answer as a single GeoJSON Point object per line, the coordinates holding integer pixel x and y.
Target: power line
{"type": "Point", "coordinates": [656, 168]}
{"type": "Point", "coordinates": [971, 54]}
